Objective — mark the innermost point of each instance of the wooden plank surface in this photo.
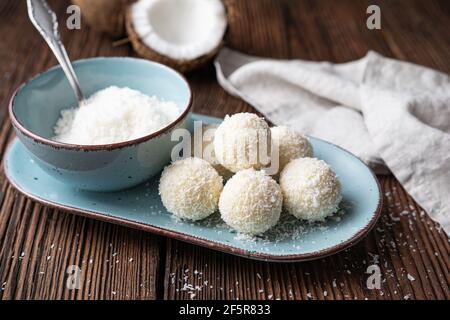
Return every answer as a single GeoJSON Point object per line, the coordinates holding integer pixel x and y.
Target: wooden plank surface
{"type": "Point", "coordinates": [38, 244]}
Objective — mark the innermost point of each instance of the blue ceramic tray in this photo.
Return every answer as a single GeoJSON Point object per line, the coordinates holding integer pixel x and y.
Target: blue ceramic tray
{"type": "Point", "coordinates": [141, 208]}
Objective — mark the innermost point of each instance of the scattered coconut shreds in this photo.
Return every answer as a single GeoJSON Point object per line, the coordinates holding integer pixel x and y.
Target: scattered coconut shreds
{"type": "Point", "coordinates": [289, 229]}
{"type": "Point", "coordinates": [192, 289]}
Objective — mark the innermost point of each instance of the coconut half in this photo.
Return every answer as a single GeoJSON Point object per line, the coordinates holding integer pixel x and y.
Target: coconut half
{"type": "Point", "coordinates": [183, 34]}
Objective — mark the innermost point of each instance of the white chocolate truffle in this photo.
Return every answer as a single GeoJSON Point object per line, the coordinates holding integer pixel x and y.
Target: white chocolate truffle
{"type": "Point", "coordinates": [190, 188]}
{"type": "Point", "coordinates": [239, 140]}
{"type": "Point", "coordinates": [207, 153]}
{"type": "Point", "coordinates": [251, 202]}
{"type": "Point", "coordinates": [291, 145]}
{"type": "Point", "coordinates": [311, 190]}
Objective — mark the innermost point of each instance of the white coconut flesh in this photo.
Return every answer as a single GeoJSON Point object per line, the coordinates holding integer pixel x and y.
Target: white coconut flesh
{"type": "Point", "coordinates": [180, 29]}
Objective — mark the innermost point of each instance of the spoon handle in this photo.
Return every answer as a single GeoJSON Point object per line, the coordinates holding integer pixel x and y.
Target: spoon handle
{"type": "Point", "coordinates": [44, 20]}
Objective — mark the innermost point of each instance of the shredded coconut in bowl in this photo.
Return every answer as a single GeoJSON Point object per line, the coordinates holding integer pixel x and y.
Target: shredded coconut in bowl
{"type": "Point", "coordinates": [114, 115]}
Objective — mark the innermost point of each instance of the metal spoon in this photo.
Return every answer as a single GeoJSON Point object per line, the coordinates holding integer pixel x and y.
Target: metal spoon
{"type": "Point", "coordinates": [44, 19]}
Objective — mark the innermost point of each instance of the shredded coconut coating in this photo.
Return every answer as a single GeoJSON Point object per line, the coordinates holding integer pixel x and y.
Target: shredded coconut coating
{"type": "Point", "coordinates": [311, 190]}
{"type": "Point", "coordinates": [239, 140]}
{"type": "Point", "coordinates": [251, 202]}
{"type": "Point", "coordinates": [114, 115]}
{"type": "Point", "coordinates": [190, 188]}
{"type": "Point", "coordinates": [291, 145]}
{"type": "Point", "coordinates": [208, 153]}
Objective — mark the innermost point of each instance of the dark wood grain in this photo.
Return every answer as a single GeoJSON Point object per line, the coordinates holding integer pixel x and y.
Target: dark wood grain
{"type": "Point", "coordinates": [37, 244]}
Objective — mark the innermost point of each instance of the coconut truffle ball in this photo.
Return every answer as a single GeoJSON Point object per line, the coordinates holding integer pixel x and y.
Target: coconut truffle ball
{"type": "Point", "coordinates": [251, 202]}
{"type": "Point", "coordinates": [190, 188]}
{"type": "Point", "coordinates": [291, 145]}
{"type": "Point", "coordinates": [311, 190]}
{"type": "Point", "coordinates": [238, 142]}
{"type": "Point", "coordinates": [208, 153]}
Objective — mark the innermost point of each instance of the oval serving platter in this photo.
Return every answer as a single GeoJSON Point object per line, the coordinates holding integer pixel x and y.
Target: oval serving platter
{"type": "Point", "coordinates": [141, 208]}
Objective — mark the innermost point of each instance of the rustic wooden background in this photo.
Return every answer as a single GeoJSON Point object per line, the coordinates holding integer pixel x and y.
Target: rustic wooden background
{"type": "Point", "coordinates": [37, 244]}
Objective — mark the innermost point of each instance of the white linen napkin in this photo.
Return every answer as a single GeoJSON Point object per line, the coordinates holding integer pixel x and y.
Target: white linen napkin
{"type": "Point", "coordinates": [393, 115]}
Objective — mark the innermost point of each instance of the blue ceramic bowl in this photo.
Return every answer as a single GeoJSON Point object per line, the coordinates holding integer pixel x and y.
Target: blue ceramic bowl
{"type": "Point", "coordinates": [35, 107]}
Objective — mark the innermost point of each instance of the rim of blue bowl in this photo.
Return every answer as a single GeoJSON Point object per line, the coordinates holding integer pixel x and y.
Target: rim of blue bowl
{"type": "Point", "coordinates": [98, 147]}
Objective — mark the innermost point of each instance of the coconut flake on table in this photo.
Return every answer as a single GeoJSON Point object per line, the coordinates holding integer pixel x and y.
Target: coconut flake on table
{"type": "Point", "coordinates": [180, 29]}
{"type": "Point", "coordinates": [114, 115]}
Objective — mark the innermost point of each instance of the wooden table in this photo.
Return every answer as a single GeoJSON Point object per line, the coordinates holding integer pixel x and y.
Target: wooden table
{"type": "Point", "coordinates": [37, 243]}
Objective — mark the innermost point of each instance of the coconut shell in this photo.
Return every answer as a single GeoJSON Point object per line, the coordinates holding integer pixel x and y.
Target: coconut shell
{"type": "Point", "coordinates": [148, 53]}
{"type": "Point", "coordinates": [104, 15]}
